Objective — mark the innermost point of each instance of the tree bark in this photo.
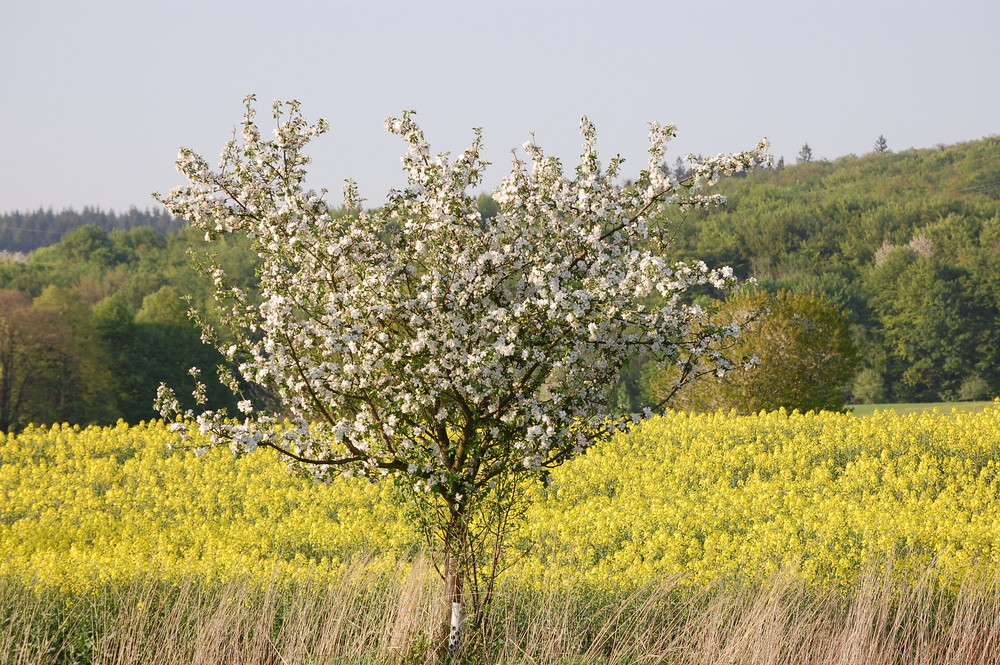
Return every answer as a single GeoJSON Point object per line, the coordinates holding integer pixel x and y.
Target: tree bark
{"type": "Point", "coordinates": [453, 618]}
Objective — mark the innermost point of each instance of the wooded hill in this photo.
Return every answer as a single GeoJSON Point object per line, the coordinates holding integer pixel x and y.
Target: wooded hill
{"type": "Point", "coordinates": [907, 243]}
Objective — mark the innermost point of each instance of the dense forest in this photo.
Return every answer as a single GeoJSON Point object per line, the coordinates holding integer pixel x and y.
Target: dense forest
{"type": "Point", "coordinates": [91, 325]}
{"type": "Point", "coordinates": [22, 232]}
{"type": "Point", "coordinates": [906, 244]}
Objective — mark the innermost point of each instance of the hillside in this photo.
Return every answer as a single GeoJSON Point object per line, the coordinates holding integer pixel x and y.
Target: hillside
{"type": "Point", "coordinates": [833, 217]}
{"type": "Point", "coordinates": [908, 243]}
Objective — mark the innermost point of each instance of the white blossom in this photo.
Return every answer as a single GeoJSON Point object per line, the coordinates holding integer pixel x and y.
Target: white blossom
{"type": "Point", "coordinates": [414, 336]}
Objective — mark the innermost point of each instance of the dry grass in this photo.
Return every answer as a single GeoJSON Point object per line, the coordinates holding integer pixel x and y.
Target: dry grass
{"type": "Point", "coordinates": [368, 618]}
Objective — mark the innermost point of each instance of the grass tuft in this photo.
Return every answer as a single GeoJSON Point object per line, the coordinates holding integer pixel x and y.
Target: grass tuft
{"type": "Point", "coordinates": [370, 617]}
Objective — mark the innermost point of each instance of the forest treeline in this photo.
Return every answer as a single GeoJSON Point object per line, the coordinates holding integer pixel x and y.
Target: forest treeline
{"type": "Point", "coordinates": [22, 232]}
{"type": "Point", "coordinates": [90, 326]}
{"type": "Point", "coordinates": [907, 244]}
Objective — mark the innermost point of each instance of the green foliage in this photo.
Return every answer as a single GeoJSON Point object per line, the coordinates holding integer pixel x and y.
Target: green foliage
{"type": "Point", "coordinates": [869, 386]}
{"type": "Point", "coordinates": [805, 154]}
{"type": "Point", "coordinates": [81, 389]}
{"type": "Point", "coordinates": [164, 307]}
{"type": "Point", "coordinates": [108, 324]}
{"type": "Point", "coordinates": [938, 323]}
{"type": "Point", "coordinates": [156, 343]}
{"type": "Point", "coordinates": [28, 231]}
{"type": "Point", "coordinates": [907, 242]}
{"type": "Point", "coordinates": [40, 370]}
{"type": "Point", "coordinates": [805, 358]}
{"type": "Point", "coordinates": [487, 206]}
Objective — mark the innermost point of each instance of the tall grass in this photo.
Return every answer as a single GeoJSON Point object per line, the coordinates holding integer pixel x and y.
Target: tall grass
{"type": "Point", "coordinates": [369, 616]}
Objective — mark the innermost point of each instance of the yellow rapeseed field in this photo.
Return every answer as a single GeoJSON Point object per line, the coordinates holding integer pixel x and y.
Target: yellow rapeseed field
{"type": "Point", "coordinates": [80, 507]}
{"type": "Point", "coordinates": [712, 496]}
{"type": "Point", "coordinates": [705, 496]}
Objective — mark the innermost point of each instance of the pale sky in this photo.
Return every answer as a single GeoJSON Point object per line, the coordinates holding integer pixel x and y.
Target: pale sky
{"type": "Point", "coordinates": [96, 96]}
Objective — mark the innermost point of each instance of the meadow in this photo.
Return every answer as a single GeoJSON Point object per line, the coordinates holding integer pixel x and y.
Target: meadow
{"type": "Point", "coordinates": [775, 538]}
{"type": "Point", "coordinates": [919, 407]}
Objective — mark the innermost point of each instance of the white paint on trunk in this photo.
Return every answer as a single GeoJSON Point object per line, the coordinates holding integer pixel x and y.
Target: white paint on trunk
{"type": "Point", "coordinates": [457, 625]}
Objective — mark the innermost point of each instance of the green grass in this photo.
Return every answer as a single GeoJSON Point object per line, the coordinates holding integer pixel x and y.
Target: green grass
{"type": "Point", "coordinates": [943, 407]}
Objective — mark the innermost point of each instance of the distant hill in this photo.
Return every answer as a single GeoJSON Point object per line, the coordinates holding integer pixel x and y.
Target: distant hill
{"type": "Point", "coordinates": [839, 217]}
{"type": "Point", "coordinates": [27, 231]}
{"type": "Point", "coordinates": [907, 242]}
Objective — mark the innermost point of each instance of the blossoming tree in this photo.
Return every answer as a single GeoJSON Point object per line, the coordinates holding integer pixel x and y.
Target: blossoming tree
{"type": "Point", "coordinates": [418, 340]}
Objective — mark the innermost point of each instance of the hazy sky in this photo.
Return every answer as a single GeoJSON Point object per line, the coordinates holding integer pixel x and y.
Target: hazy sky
{"type": "Point", "coordinates": [96, 96]}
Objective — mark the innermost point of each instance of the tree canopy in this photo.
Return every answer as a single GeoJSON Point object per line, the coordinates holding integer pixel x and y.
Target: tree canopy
{"type": "Point", "coordinates": [805, 357]}
{"type": "Point", "coordinates": [452, 350]}
{"type": "Point", "coordinates": [855, 230]}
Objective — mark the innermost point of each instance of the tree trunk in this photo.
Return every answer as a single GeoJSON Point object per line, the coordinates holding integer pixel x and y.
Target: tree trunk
{"type": "Point", "coordinates": [453, 610]}
{"type": "Point", "coordinates": [457, 623]}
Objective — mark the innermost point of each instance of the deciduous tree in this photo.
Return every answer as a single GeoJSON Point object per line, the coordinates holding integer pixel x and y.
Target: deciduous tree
{"type": "Point", "coordinates": [36, 349]}
{"type": "Point", "coordinates": [80, 389]}
{"type": "Point", "coordinates": [455, 354]}
{"type": "Point", "coordinates": [805, 357]}
{"type": "Point", "coordinates": [805, 154]}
